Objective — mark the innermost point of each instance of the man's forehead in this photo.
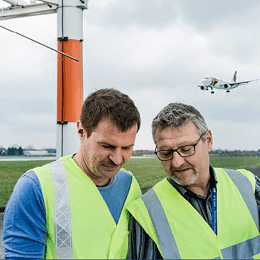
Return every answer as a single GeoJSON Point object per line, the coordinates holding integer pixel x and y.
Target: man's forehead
{"type": "Point", "coordinates": [109, 123]}
{"type": "Point", "coordinates": [184, 132]}
{"type": "Point", "coordinates": [108, 133]}
{"type": "Point", "coordinates": [189, 127]}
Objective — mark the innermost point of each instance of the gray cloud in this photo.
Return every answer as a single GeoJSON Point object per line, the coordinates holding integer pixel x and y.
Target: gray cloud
{"type": "Point", "coordinates": [118, 14]}
{"type": "Point", "coordinates": [155, 51]}
{"type": "Point", "coordinates": [206, 15]}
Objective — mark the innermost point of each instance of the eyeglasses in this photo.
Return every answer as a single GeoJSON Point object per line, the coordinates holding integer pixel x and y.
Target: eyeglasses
{"type": "Point", "coordinates": [183, 151]}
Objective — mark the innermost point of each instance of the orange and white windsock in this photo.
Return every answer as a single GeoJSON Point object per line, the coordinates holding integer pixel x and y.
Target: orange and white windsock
{"type": "Point", "coordinates": [70, 74]}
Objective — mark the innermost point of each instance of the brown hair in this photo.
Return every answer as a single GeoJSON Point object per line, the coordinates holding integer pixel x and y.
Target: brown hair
{"type": "Point", "coordinates": [109, 104]}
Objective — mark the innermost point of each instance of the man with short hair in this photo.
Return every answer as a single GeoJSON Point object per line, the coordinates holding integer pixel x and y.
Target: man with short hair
{"type": "Point", "coordinates": [198, 212]}
{"type": "Point", "coordinates": [76, 207]}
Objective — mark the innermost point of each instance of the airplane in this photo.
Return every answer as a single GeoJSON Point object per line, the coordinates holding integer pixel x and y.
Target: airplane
{"type": "Point", "coordinates": [210, 83]}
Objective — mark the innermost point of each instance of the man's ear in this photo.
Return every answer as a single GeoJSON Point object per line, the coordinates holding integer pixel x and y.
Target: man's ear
{"type": "Point", "coordinates": [209, 140]}
{"type": "Point", "coordinates": [80, 130]}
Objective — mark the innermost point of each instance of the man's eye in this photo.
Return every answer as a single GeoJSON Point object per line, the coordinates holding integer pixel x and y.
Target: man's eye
{"type": "Point", "coordinates": [106, 146]}
{"type": "Point", "coordinates": [165, 153]}
{"type": "Point", "coordinates": [185, 148]}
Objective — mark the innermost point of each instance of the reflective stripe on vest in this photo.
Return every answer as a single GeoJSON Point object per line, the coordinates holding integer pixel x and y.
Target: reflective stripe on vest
{"type": "Point", "coordinates": [244, 185]}
{"type": "Point", "coordinates": [161, 225]}
{"type": "Point", "coordinates": [62, 217]}
{"type": "Point", "coordinates": [165, 237]}
{"type": "Point", "coordinates": [244, 250]}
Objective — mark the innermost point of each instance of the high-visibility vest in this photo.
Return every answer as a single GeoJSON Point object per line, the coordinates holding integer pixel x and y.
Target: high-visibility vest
{"type": "Point", "coordinates": [79, 224]}
{"type": "Point", "coordinates": [180, 232]}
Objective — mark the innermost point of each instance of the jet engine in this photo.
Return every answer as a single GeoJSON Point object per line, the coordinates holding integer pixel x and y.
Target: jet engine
{"type": "Point", "coordinates": [226, 86]}
{"type": "Point", "coordinates": [203, 88]}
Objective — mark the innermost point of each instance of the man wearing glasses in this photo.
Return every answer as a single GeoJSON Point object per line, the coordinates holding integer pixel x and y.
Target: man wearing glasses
{"type": "Point", "coordinates": [198, 212]}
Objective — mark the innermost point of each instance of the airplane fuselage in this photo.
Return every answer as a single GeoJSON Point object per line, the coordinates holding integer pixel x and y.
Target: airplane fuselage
{"type": "Point", "coordinates": [211, 82]}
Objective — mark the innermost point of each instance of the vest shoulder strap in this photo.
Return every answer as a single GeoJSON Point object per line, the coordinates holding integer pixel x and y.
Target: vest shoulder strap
{"type": "Point", "coordinates": [246, 190]}
{"type": "Point", "coordinates": [161, 225]}
{"type": "Point", "coordinates": [62, 219]}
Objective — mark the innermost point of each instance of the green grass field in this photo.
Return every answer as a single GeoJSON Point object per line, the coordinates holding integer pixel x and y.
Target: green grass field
{"type": "Point", "coordinates": [147, 171]}
{"type": "Point", "coordinates": [10, 173]}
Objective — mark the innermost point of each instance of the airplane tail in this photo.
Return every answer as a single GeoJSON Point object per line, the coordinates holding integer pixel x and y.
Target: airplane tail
{"type": "Point", "coordinates": [235, 77]}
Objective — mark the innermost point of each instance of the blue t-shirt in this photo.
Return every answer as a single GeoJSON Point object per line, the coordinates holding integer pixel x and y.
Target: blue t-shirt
{"type": "Point", "coordinates": [25, 221]}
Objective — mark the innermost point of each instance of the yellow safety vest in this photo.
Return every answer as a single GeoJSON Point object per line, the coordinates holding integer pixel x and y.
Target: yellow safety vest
{"type": "Point", "coordinates": [78, 222]}
{"type": "Point", "coordinates": [180, 232]}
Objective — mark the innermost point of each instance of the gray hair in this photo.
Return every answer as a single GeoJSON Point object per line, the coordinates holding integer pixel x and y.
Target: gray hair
{"type": "Point", "coordinates": [176, 115]}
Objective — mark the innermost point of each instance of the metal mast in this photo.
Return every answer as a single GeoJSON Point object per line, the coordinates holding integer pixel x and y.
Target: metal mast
{"type": "Point", "coordinates": [70, 72]}
{"type": "Point", "coordinates": [70, 89]}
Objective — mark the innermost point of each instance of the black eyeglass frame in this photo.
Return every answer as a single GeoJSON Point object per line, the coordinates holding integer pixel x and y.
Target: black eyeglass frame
{"type": "Point", "coordinates": [176, 150]}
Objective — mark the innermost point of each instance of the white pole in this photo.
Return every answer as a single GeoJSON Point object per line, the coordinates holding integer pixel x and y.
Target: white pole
{"type": "Point", "coordinates": [70, 85]}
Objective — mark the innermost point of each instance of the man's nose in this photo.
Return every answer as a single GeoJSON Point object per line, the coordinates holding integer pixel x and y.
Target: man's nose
{"type": "Point", "coordinates": [116, 156]}
{"type": "Point", "coordinates": [177, 160]}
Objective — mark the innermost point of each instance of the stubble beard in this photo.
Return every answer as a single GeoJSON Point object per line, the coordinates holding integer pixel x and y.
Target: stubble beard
{"type": "Point", "coordinates": [104, 167]}
{"type": "Point", "coordinates": [181, 178]}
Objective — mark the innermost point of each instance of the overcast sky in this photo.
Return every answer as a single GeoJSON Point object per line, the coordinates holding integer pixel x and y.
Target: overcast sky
{"type": "Point", "coordinates": [156, 51]}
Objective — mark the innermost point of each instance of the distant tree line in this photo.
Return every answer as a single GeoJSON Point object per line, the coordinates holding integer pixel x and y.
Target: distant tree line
{"type": "Point", "coordinates": [11, 151]}
{"type": "Point", "coordinates": [234, 153]}
{"type": "Point", "coordinates": [143, 152]}
{"type": "Point", "coordinates": [213, 153]}
{"type": "Point", "coordinates": [17, 151]}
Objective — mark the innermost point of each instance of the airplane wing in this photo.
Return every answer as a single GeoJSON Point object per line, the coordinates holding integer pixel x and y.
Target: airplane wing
{"type": "Point", "coordinates": [241, 82]}
{"type": "Point", "coordinates": [214, 83]}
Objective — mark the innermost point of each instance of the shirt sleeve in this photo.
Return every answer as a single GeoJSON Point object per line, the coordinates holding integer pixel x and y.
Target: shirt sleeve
{"type": "Point", "coordinates": [141, 246]}
{"type": "Point", "coordinates": [25, 221]}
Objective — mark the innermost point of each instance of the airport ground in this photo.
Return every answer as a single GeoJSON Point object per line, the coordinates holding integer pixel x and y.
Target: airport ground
{"type": "Point", "coordinates": [25, 158]}
{"type": "Point", "coordinates": [149, 169]}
